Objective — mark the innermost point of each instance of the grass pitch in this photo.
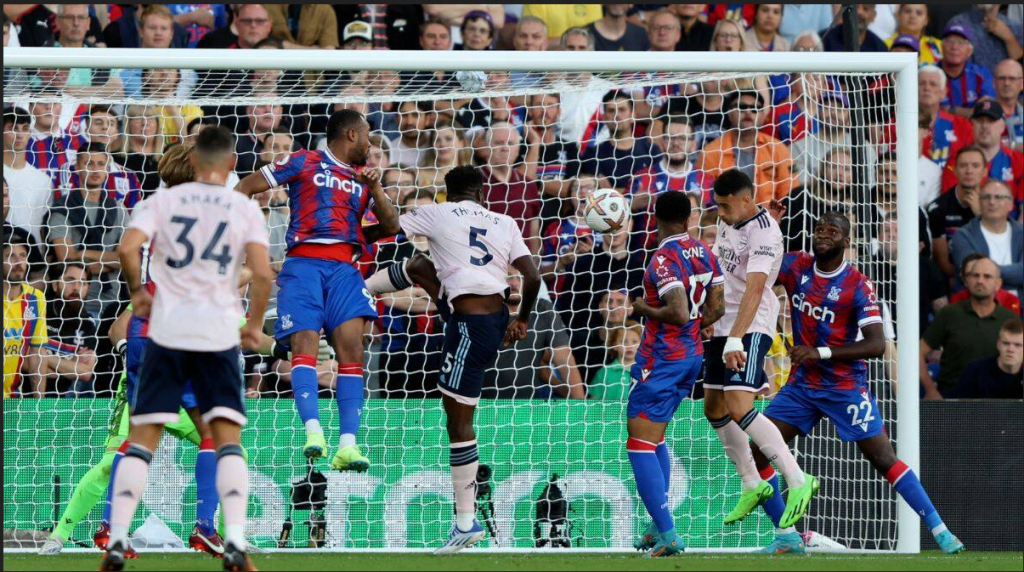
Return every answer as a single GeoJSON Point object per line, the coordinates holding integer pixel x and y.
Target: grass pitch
{"type": "Point", "coordinates": [928, 561]}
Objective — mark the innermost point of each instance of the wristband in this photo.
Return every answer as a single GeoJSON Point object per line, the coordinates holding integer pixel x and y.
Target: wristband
{"type": "Point", "coordinates": [732, 345]}
{"type": "Point", "coordinates": [120, 347]}
{"type": "Point", "coordinates": [825, 352]}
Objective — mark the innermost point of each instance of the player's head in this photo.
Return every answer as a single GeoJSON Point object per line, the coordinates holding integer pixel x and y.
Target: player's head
{"type": "Point", "coordinates": [175, 167]}
{"type": "Point", "coordinates": [214, 151]}
{"type": "Point", "coordinates": [734, 193]}
{"type": "Point", "coordinates": [673, 214]}
{"type": "Point", "coordinates": [831, 235]}
{"type": "Point", "coordinates": [465, 183]}
{"type": "Point", "coordinates": [348, 136]}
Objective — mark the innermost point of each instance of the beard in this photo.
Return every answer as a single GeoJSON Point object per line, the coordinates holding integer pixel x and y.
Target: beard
{"type": "Point", "coordinates": [830, 254]}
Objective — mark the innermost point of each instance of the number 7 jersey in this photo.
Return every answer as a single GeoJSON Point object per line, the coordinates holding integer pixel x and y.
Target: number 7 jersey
{"type": "Point", "coordinates": [198, 235]}
{"type": "Point", "coordinates": [681, 262]}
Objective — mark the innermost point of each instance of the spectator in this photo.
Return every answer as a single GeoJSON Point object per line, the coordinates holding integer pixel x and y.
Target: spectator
{"type": "Point", "coordinates": [569, 236]}
{"type": "Point", "coordinates": [24, 323]}
{"type": "Point", "coordinates": [965, 331]}
{"type": "Point", "coordinates": [541, 363]}
{"type": "Point", "coordinates": [760, 156]}
{"type": "Point", "coordinates": [199, 19]}
{"type": "Point", "coordinates": [885, 22]}
{"type": "Point", "coordinates": [276, 146]}
{"type": "Point", "coordinates": [911, 20]}
{"type": "Point", "coordinates": [707, 228]}
{"type": "Point", "coordinates": [798, 19]}
{"type": "Point", "coordinates": [435, 35]}
{"type": "Point", "coordinates": [1004, 298]}
{"type": "Point", "coordinates": [764, 35]}
{"type": "Point", "coordinates": [1009, 82]}
{"type": "Point", "coordinates": [705, 108]}
{"type": "Point", "coordinates": [622, 155]}
{"type": "Point", "coordinates": [357, 35]}
{"type": "Point", "coordinates": [478, 31]}
{"type": "Point", "coordinates": [455, 15]}
{"type": "Point", "coordinates": [86, 225]}
{"type": "Point", "coordinates": [929, 173]}
{"type": "Point", "coordinates": [992, 234]}
{"type": "Point", "coordinates": [264, 119]}
{"type": "Point", "coordinates": [664, 31]}
{"type": "Point", "coordinates": [395, 26]}
{"type": "Point", "coordinates": [948, 133]}
{"type": "Point", "coordinates": [906, 43]}
{"type": "Point", "coordinates": [966, 83]}
{"type": "Point", "coordinates": [832, 41]}
{"type": "Point", "coordinates": [12, 233]}
{"type": "Point", "coordinates": [615, 33]}
{"type": "Point", "coordinates": [165, 84]}
{"type": "Point", "coordinates": [71, 333]}
{"type": "Point", "coordinates": [996, 38]}
{"type": "Point", "coordinates": [304, 26]}
{"type": "Point", "coordinates": [507, 191]}
{"type": "Point", "coordinates": [143, 145]}
{"type": "Point", "coordinates": [957, 206]}
{"type": "Point", "coordinates": [52, 135]}
{"type": "Point", "coordinates": [531, 35]}
{"type": "Point", "coordinates": [126, 31]}
{"type": "Point", "coordinates": [380, 148]}
{"type": "Point", "coordinates": [1001, 162]}
{"type": "Point", "coordinates": [447, 150]}
{"type": "Point", "coordinates": [251, 26]}
{"type": "Point", "coordinates": [612, 382]}
{"type": "Point", "coordinates": [695, 33]}
{"type": "Point", "coordinates": [808, 41]}
{"type": "Point", "coordinates": [156, 31]}
{"type": "Point", "coordinates": [832, 129]}
{"type": "Point", "coordinates": [556, 161]}
{"type": "Point", "coordinates": [558, 18]}
{"type": "Point", "coordinates": [795, 112]}
{"type": "Point", "coordinates": [592, 343]}
{"type": "Point", "coordinates": [399, 184]}
{"type": "Point", "coordinates": [29, 188]}
{"type": "Point", "coordinates": [35, 24]}
{"type": "Point", "coordinates": [73, 27]}
{"type": "Point", "coordinates": [409, 148]}
{"type": "Point", "coordinates": [729, 36]}
{"type": "Point", "coordinates": [997, 377]}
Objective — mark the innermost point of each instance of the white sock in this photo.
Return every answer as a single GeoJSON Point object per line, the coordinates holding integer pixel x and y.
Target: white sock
{"type": "Point", "coordinates": [781, 531]}
{"type": "Point", "coordinates": [233, 488]}
{"type": "Point", "coordinates": [347, 440]}
{"type": "Point", "coordinates": [313, 426]}
{"type": "Point", "coordinates": [737, 448]}
{"type": "Point", "coordinates": [129, 483]}
{"type": "Point", "coordinates": [464, 461]}
{"type": "Point", "coordinates": [767, 437]}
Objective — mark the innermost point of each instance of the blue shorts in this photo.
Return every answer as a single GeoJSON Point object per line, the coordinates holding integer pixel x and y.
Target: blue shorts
{"type": "Point", "coordinates": [854, 412]}
{"type": "Point", "coordinates": [319, 295]}
{"type": "Point", "coordinates": [133, 363]}
{"type": "Point", "coordinates": [215, 376]}
{"type": "Point", "coordinates": [471, 344]}
{"type": "Point", "coordinates": [658, 391]}
{"type": "Point", "coordinates": [752, 379]}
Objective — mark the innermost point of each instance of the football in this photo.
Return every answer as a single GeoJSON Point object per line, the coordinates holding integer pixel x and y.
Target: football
{"type": "Point", "coordinates": [607, 210]}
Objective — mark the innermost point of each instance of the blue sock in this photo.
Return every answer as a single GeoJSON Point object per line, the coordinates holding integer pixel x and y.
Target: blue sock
{"type": "Point", "coordinates": [650, 482]}
{"type": "Point", "coordinates": [909, 487]}
{"type": "Point", "coordinates": [349, 394]}
{"type": "Point", "coordinates": [304, 387]}
{"type": "Point", "coordinates": [110, 488]}
{"type": "Point", "coordinates": [665, 460]}
{"type": "Point", "coordinates": [206, 487]}
{"type": "Point", "coordinates": [775, 507]}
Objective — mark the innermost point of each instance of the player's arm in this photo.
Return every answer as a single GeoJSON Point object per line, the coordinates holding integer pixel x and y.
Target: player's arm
{"type": "Point", "coordinates": [714, 306]}
{"type": "Point", "coordinates": [676, 310]}
{"type": "Point", "coordinates": [129, 252]}
{"type": "Point", "coordinates": [531, 288]}
{"type": "Point", "coordinates": [253, 184]}
{"type": "Point", "coordinates": [386, 213]}
{"type": "Point", "coordinates": [872, 346]}
{"type": "Point", "coordinates": [257, 259]}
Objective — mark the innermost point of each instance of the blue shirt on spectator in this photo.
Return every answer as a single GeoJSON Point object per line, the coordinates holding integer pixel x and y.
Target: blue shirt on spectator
{"type": "Point", "coordinates": [974, 83]}
{"type": "Point", "coordinates": [799, 18]}
{"type": "Point", "coordinates": [195, 31]}
{"type": "Point", "coordinates": [620, 165]}
{"type": "Point", "coordinates": [833, 42]}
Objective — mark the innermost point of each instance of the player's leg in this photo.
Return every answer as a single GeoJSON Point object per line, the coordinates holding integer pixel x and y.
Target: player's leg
{"type": "Point", "coordinates": [204, 535]}
{"type": "Point", "coordinates": [91, 489]}
{"type": "Point", "coordinates": [793, 418]}
{"type": "Point", "coordinates": [347, 340]}
{"type": "Point", "coordinates": [419, 271]}
{"type": "Point", "coordinates": [736, 443]}
{"type": "Point", "coordinates": [741, 388]}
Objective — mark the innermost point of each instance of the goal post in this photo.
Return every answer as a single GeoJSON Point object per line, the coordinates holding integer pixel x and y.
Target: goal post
{"type": "Point", "coordinates": [618, 70]}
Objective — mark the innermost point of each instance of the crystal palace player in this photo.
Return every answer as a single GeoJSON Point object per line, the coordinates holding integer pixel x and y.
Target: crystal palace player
{"type": "Point", "coordinates": [683, 276]}
{"type": "Point", "coordinates": [836, 326]}
{"type": "Point", "coordinates": [473, 249]}
{"type": "Point", "coordinates": [201, 233]}
{"type": "Point", "coordinates": [321, 288]}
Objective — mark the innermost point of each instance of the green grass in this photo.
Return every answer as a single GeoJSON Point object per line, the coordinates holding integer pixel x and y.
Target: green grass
{"type": "Point", "coordinates": [928, 561]}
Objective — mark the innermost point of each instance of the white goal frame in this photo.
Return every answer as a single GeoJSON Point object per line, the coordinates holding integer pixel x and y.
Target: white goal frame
{"type": "Point", "coordinates": [904, 66]}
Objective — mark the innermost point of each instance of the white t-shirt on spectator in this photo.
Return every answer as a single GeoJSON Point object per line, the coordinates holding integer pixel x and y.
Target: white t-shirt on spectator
{"type": "Point", "coordinates": [195, 262]}
{"type": "Point", "coordinates": [931, 181]}
{"type": "Point", "coordinates": [402, 155]}
{"type": "Point", "coordinates": [578, 109]}
{"type": "Point", "coordinates": [885, 20]}
{"type": "Point", "coordinates": [1000, 246]}
{"type": "Point", "coordinates": [30, 196]}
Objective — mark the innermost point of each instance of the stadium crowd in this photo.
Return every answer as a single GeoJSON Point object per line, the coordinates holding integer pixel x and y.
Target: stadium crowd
{"type": "Point", "coordinates": [74, 172]}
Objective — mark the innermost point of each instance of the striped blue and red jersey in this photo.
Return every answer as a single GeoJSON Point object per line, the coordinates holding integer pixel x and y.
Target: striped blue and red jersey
{"type": "Point", "coordinates": [828, 310]}
{"type": "Point", "coordinates": [688, 264]}
{"type": "Point", "coordinates": [656, 180]}
{"type": "Point", "coordinates": [121, 185]}
{"type": "Point", "coordinates": [950, 133]}
{"type": "Point", "coordinates": [790, 122]}
{"type": "Point", "coordinates": [1007, 165]}
{"type": "Point", "coordinates": [51, 154]}
{"type": "Point", "coordinates": [974, 83]}
{"type": "Point", "coordinates": [327, 205]}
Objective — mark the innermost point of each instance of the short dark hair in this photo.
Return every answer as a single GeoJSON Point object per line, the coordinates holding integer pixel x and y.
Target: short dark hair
{"type": "Point", "coordinates": [970, 149]}
{"type": "Point", "coordinates": [342, 121]}
{"type": "Point", "coordinates": [433, 22]}
{"type": "Point", "coordinates": [673, 207]}
{"type": "Point", "coordinates": [1013, 326]}
{"type": "Point", "coordinates": [214, 140]}
{"type": "Point", "coordinates": [56, 271]}
{"type": "Point", "coordinates": [972, 257]}
{"type": "Point", "coordinates": [732, 182]}
{"type": "Point", "coordinates": [836, 218]}
{"type": "Point", "coordinates": [277, 131]}
{"type": "Point", "coordinates": [91, 147]}
{"type": "Point", "coordinates": [617, 94]}
{"type": "Point", "coordinates": [464, 181]}
{"type": "Point", "coordinates": [101, 108]}
{"type": "Point", "coordinates": [15, 115]}
{"type": "Point", "coordinates": [732, 101]}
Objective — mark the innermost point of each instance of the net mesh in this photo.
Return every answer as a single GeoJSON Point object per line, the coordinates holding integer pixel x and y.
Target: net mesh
{"type": "Point", "coordinates": [546, 140]}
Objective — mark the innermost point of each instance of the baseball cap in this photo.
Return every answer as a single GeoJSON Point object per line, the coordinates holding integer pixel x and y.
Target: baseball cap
{"type": "Point", "coordinates": [958, 30]}
{"type": "Point", "coordinates": [987, 108]}
{"type": "Point", "coordinates": [906, 41]}
{"type": "Point", "coordinates": [357, 30]}
{"type": "Point", "coordinates": [475, 14]}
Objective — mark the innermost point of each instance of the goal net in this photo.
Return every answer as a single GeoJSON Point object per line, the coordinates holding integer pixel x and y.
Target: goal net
{"type": "Point", "coordinates": [81, 148]}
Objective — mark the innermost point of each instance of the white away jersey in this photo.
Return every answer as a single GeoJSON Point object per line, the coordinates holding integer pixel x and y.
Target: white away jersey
{"type": "Point", "coordinates": [471, 246]}
{"type": "Point", "coordinates": [198, 234]}
{"type": "Point", "coordinates": [754, 245]}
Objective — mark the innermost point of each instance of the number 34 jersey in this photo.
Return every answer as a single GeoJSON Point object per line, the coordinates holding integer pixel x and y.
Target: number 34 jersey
{"type": "Point", "coordinates": [198, 235]}
{"type": "Point", "coordinates": [684, 263]}
{"type": "Point", "coordinates": [472, 247]}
